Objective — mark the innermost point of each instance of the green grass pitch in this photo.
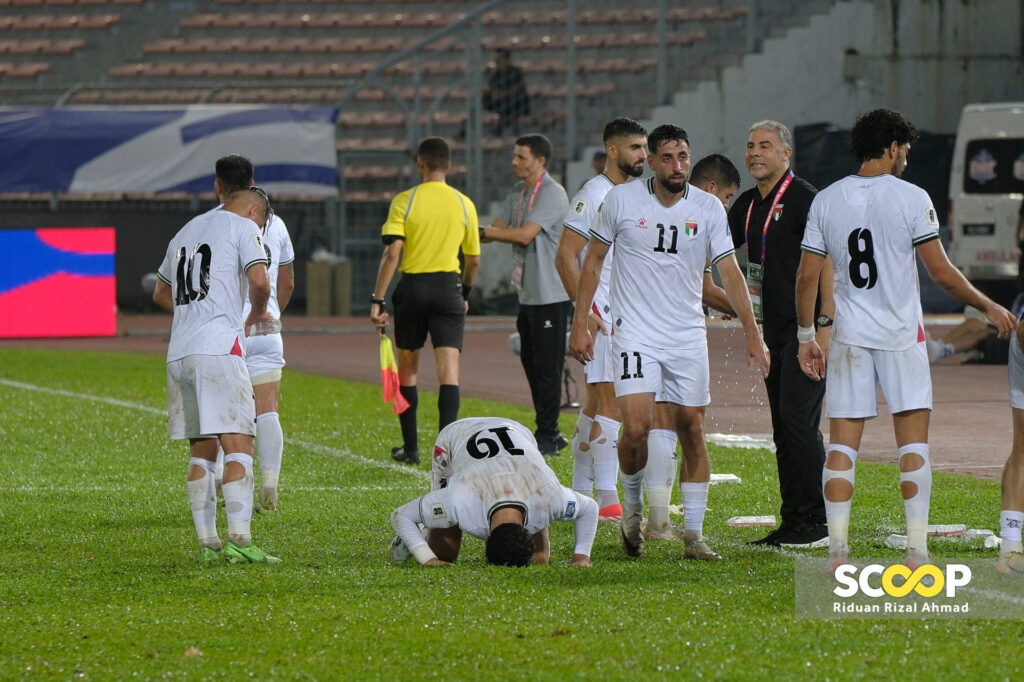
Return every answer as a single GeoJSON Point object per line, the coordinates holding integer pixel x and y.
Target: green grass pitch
{"type": "Point", "coordinates": [99, 576]}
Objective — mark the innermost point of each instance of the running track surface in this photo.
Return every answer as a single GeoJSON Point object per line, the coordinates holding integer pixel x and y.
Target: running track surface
{"type": "Point", "coordinates": [970, 425]}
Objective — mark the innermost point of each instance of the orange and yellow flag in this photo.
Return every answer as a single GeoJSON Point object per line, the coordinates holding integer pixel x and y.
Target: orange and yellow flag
{"type": "Point", "coordinates": [389, 376]}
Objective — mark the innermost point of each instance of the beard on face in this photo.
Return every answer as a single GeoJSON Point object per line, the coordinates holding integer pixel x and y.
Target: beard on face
{"type": "Point", "coordinates": [673, 186]}
{"type": "Point", "coordinates": [631, 171]}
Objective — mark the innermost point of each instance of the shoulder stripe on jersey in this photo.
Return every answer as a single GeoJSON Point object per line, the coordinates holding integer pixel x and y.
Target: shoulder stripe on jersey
{"type": "Point", "coordinates": [408, 207]}
{"type": "Point", "coordinates": [465, 216]}
{"type": "Point", "coordinates": [809, 249]}
{"type": "Point", "coordinates": [926, 238]}
{"type": "Point", "coordinates": [719, 257]}
{"type": "Point", "coordinates": [258, 261]}
{"type": "Point", "coordinates": [650, 185]}
{"type": "Point", "coordinates": [585, 235]}
{"type": "Point", "coordinates": [599, 238]}
{"type": "Point", "coordinates": [286, 262]}
{"type": "Point", "coordinates": [161, 278]}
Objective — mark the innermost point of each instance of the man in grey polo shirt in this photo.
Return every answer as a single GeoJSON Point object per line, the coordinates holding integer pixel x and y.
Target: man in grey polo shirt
{"type": "Point", "coordinates": [531, 221]}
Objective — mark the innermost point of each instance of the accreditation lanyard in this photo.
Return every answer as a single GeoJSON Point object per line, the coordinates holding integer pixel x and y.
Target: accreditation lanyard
{"type": "Point", "coordinates": [519, 252]}
{"type": "Point", "coordinates": [768, 218]}
{"type": "Point", "coordinates": [755, 271]}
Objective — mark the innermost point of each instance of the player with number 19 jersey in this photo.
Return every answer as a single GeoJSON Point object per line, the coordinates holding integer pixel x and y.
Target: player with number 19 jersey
{"type": "Point", "coordinates": [205, 268]}
{"type": "Point", "coordinates": [484, 463]}
{"type": "Point", "coordinates": [871, 227]}
{"type": "Point", "coordinates": [658, 269]}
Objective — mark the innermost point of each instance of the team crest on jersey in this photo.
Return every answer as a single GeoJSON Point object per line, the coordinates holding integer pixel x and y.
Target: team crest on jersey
{"type": "Point", "coordinates": [437, 512]}
{"type": "Point", "coordinates": [570, 509]}
{"type": "Point", "coordinates": [933, 219]}
{"type": "Point", "coordinates": [642, 223]}
{"type": "Point", "coordinates": [259, 243]}
{"type": "Point", "coordinates": [580, 208]}
{"type": "Point", "coordinates": [777, 212]}
{"type": "Point", "coordinates": [690, 228]}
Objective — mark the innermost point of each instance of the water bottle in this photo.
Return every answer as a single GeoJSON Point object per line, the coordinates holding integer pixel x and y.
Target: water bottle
{"type": "Point", "coordinates": [265, 327]}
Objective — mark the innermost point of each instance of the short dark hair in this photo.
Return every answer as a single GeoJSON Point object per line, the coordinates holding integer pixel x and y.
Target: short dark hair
{"type": "Point", "coordinates": [234, 172]}
{"type": "Point", "coordinates": [875, 130]}
{"type": "Point", "coordinates": [715, 167]}
{"type": "Point", "coordinates": [510, 544]}
{"type": "Point", "coordinates": [623, 127]}
{"type": "Point", "coordinates": [505, 52]}
{"type": "Point", "coordinates": [665, 133]}
{"type": "Point", "coordinates": [434, 152]}
{"type": "Point", "coordinates": [538, 144]}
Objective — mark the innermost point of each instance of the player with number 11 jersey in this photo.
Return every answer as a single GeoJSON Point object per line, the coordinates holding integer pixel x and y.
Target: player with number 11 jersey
{"type": "Point", "coordinates": [656, 300]}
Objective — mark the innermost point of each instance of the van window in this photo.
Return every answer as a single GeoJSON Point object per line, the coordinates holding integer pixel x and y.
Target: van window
{"type": "Point", "coordinates": [994, 166]}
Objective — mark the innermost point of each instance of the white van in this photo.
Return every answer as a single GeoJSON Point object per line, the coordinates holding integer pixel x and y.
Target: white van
{"type": "Point", "coordinates": [986, 186]}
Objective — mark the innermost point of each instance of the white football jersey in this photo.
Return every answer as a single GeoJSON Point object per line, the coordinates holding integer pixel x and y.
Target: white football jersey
{"type": "Point", "coordinates": [871, 226]}
{"type": "Point", "coordinates": [205, 266]}
{"type": "Point", "coordinates": [491, 463]}
{"type": "Point", "coordinates": [581, 219]}
{"type": "Point", "coordinates": [658, 271]}
{"type": "Point", "coordinates": [278, 246]}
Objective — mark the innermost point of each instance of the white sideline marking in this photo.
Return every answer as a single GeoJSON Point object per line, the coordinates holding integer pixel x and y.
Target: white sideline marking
{"type": "Point", "coordinates": [313, 447]}
{"type": "Point", "coordinates": [736, 440]}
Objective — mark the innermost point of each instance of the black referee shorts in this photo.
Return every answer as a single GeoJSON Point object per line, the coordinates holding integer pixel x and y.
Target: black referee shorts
{"type": "Point", "coordinates": [429, 302]}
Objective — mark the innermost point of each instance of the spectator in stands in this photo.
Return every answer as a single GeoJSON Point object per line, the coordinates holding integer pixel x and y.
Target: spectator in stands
{"type": "Point", "coordinates": [597, 163]}
{"type": "Point", "coordinates": [531, 220]}
{"type": "Point", "coordinates": [505, 92]}
{"type": "Point", "coordinates": [432, 222]}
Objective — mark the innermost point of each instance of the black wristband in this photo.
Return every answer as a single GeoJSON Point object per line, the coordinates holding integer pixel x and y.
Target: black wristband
{"type": "Point", "coordinates": [379, 301]}
{"type": "Point", "coordinates": [466, 288]}
{"type": "Point", "coordinates": [482, 230]}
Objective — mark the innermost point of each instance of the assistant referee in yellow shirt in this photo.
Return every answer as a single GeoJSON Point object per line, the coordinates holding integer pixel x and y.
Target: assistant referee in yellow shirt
{"type": "Point", "coordinates": [431, 221]}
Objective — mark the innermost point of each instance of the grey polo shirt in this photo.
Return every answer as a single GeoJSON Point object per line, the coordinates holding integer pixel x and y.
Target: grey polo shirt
{"type": "Point", "coordinates": [541, 284]}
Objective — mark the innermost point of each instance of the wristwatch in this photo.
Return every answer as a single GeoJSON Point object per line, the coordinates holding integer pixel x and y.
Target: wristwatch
{"type": "Point", "coordinates": [823, 320]}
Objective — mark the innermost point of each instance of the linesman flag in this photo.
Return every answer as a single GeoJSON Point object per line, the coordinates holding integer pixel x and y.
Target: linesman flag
{"type": "Point", "coordinates": [389, 376]}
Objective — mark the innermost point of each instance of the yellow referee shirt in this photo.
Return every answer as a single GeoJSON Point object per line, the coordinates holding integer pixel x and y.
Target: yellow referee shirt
{"type": "Point", "coordinates": [434, 219]}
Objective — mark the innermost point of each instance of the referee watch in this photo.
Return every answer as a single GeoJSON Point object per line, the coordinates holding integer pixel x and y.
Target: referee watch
{"type": "Point", "coordinates": [823, 320]}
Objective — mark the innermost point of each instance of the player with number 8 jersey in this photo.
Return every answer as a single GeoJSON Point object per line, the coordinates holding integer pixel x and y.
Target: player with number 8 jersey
{"type": "Point", "coordinates": [487, 472]}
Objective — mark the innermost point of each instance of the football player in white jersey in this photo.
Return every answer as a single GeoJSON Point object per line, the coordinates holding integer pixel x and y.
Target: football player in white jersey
{"type": "Point", "coordinates": [664, 231]}
{"type": "Point", "coordinates": [1011, 518]}
{"type": "Point", "coordinates": [264, 353]}
{"type": "Point", "coordinates": [214, 262]}
{"type": "Point", "coordinates": [490, 480]}
{"type": "Point", "coordinates": [871, 224]}
{"type": "Point", "coordinates": [595, 464]}
{"type": "Point", "coordinates": [715, 174]}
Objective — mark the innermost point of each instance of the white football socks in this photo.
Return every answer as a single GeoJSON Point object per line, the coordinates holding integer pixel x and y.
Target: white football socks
{"type": "Point", "coordinates": [582, 458]}
{"type": "Point", "coordinates": [919, 481]}
{"type": "Point", "coordinates": [1010, 523]}
{"type": "Point", "coordinates": [238, 500]}
{"type": "Point", "coordinates": [695, 504]}
{"type": "Point", "coordinates": [269, 449]}
{"type": "Point", "coordinates": [837, 514]}
{"type": "Point", "coordinates": [659, 475]}
{"type": "Point", "coordinates": [604, 448]}
{"type": "Point", "coordinates": [203, 501]}
{"type": "Point", "coordinates": [632, 488]}
{"type": "Point", "coordinates": [218, 470]}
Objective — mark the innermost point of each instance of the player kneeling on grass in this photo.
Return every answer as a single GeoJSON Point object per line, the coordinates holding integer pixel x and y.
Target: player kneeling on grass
{"type": "Point", "coordinates": [490, 480]}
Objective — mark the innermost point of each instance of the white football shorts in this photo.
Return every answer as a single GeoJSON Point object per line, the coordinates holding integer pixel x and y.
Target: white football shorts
{"type": "Point", "coordinates": [1016, 369]}
{"type": "Point", "coordinates": [854, 374]}
{"type": "Point", "coordinates": [208, 395]}
{"type": "Point", "coordinates": [264, 354]}
{"type": "Point", "coordinates": [601, 369]}
{"type": "Point", "coordinates": [674, 375]}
